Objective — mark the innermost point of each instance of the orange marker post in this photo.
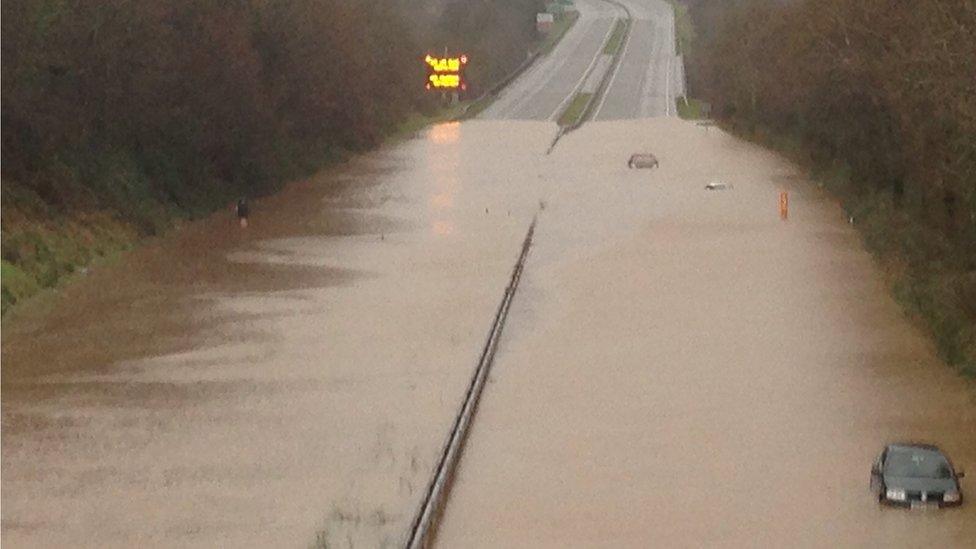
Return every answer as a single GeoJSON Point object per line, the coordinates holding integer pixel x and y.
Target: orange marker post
{"type": "Point", "coordinates": [784, 205]}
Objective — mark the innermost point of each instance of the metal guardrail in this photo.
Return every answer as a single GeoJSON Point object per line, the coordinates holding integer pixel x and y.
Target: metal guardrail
{"type": "Point", "coordinates": [498, 86]}
{"type": "Point", "coordinates": [425, 523]}
{"type": "Point", "coordinates": [507, 79]}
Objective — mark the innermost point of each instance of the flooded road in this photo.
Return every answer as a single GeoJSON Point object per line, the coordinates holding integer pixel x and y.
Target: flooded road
{"type": "Point", "coordinates": [274, 386]}
{"type": "Point", "coordinates": [682, 368]}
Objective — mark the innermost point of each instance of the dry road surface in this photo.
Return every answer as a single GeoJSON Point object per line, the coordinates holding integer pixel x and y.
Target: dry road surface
{"type": "Point", "coordinates": [642, 85]}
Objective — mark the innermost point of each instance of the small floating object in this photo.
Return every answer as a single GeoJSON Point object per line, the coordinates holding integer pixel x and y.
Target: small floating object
{"type": "Point", "coordinates": [718, 186]}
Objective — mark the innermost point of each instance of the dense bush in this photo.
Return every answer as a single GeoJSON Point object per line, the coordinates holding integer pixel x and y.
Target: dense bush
{"type": "Point", "coordinates": [882, 96]}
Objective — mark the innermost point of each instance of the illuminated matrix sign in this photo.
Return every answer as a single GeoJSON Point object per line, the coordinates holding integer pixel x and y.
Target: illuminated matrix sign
{"type": "Point", "coordinates": [446, 73]}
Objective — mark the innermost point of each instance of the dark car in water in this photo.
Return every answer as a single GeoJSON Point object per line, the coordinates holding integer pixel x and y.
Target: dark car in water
{"type": "Point", "coordinates": [915, 475]}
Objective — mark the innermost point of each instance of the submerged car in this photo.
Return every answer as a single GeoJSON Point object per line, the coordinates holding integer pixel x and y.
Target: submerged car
{"type": "Point", "coordinates": [915, 475]}
{"type": "Point", "coordinates": [642, 160]}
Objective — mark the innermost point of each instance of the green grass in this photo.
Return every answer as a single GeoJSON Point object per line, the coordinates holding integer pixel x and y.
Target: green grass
{"type": "Point", "coordinates": [44, 248]}
{"type": "Point", "coordinates": [617, 38]}
{"type": "Point", "coordinates": [418, 121]}
{"type": "Point", "coordinates": [683, 28]}
{"type": "Point", "coordinates": [16, 284]}
{"type": "Point", "coordinates": [560, 27]}
{"type": "Point", "coordinates": [692, 109]}
{"type": "Point", "coordinates": [474, 108]}
{"type": "Point", "coordinates": [574, 112]}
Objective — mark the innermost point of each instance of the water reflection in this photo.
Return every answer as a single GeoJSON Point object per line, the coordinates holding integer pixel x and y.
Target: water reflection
{"type": "Point", "coordinates": [444, 159]}
{"type": "Point", "coordinates": [442, 228]}
{"type": "Point", "coordinates": [445, 133]}
{"type": "Point", "coordinates": [442, 200]}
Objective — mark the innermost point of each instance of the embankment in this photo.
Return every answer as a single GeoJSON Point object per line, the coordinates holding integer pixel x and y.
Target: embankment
{"type": "Point", "coordinates": [879, 101]}
{"type": "Point", "coordinates": [122, 120]}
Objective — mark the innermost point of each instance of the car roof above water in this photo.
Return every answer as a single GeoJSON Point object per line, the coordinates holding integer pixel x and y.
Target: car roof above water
{"type": "Point", "coordinates": [914, 446]}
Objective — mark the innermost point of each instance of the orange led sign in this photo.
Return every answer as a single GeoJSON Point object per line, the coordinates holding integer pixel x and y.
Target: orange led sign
{"type": "Point", "coordinates": [445, 80]}
{"type": "Point", "coordinates": [446, 73]}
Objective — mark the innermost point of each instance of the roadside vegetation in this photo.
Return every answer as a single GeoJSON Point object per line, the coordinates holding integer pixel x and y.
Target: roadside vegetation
{"type": "Point", "coordinates": [574, 113]}
{"type": "Point", "coordinates": [878, 99]}
{"type": "Point", "coordinates": [561, 25]}
{"type": "Point", "coordinates": [692, 109]}
{"type": "Point", "coordinates": [119, 119]}
{"type": "Point", "coordinates": [684, 28]}
{"type": "Point", "coordinates": [616, 37]}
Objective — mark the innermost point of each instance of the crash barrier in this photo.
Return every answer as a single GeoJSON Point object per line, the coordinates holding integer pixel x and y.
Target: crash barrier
{"type": "Point", "coordinates": [784, 205]}
{"type": "Point", "coordinates": [497, 87]}
{"type": "Point", "coordinates": [425, 524]}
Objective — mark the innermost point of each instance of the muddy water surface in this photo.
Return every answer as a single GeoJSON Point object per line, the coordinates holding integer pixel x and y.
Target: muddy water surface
{"type": "Point", "coordinates": [271, 387]}
{"type": "Point", "coordinates": [681, 368]}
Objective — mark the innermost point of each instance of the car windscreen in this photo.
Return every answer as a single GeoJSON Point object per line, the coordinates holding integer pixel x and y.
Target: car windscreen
{"type": "Point", "coordinates": [916, 464]}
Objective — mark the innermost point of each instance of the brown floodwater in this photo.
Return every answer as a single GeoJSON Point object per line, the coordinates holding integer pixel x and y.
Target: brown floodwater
{"type": "Point", "coordinates": [273, 386]}
{"type": "Point", "coordinates": [682, 368]}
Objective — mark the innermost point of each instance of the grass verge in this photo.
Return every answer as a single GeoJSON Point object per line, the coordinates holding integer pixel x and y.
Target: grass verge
{"type": "Point", "coordinates": [573, 114]}
{"type": "Point", "coordinates": [43, 248]}
{"type": "Point", "coordinates": [559, 29]}
{"type": "Point", "coordinates": [616, 38]}
{"type": "Point", "coordinates": [693, 109]}
{"type": "Point", "coordinates": [683, 27]}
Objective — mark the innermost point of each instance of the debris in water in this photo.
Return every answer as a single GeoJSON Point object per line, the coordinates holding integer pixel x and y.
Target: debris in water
{"type": "Point", "coordinates": [718, 186]}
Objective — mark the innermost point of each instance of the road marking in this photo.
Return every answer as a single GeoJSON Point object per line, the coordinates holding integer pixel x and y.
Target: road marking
{"type": "Point", "coordinates": [616, 69]}
{"type": "Point", "coordinates": [667, 88]}
{"type": "Point", "coordinates": [536, 76]}
{"type": "Point", "coordinates": [586, 73]}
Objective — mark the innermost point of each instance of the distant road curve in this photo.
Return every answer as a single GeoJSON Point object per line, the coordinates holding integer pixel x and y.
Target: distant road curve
{"type": "Point", "coordinates": [542, 91]}
{"type": "Point", "coordinates": [640, 87]}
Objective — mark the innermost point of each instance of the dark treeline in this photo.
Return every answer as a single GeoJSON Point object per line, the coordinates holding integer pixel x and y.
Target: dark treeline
{"type": "Point", "coordinates": [880, 96]}
{"type": "Point", "coordinates": [137, 112]}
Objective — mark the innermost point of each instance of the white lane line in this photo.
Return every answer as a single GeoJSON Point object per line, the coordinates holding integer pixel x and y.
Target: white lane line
{"type": "Point", "coordinates": [616, 69]}
{"type": "Point", "coordinates": [513, 99]}
{"type": "Point", "coordinates": [651, 76]}
{"type": "Point", "coordinates": [668, 92]}
{"type": "Point", "coordinates": [536, 80]}
{"type": "Point", "coordinates": [667, 89]}
{"type": "Point", "coordinates": [579, 83]}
